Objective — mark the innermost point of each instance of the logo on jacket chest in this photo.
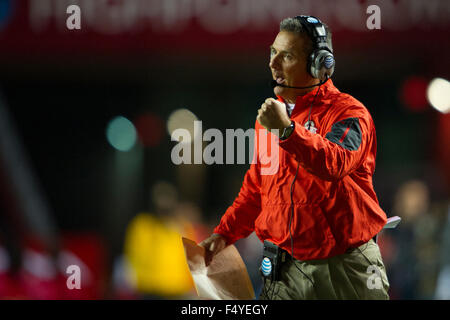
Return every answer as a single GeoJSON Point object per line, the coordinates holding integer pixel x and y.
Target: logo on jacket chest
{"type": "Point", "coordinates": [311, 126]}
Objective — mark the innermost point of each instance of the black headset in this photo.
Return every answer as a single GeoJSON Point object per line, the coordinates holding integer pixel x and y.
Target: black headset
{"type": "Point", "coordinates": [321, 61]}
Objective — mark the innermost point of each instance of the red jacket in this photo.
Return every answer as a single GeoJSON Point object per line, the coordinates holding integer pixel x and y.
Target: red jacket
{"type": "Point", "coordinates": [335, 205]}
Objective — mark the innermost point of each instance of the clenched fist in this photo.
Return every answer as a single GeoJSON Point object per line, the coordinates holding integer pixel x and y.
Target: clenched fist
{"type": "Point", "coordinates": [273, 115]}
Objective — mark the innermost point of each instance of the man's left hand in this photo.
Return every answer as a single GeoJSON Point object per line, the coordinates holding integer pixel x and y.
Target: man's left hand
{"type": "Point", "coordinates": [273, 115]}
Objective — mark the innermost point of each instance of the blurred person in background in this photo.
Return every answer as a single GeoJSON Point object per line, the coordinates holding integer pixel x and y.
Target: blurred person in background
{"type": "Point", "coordinates": [155, 264]}
{"type": "Point", "coordinates": [318, 214]}
{"type": "Point", "coordinates": [415, 264]}
{"type": "Point", "coordinates": [443, 280]}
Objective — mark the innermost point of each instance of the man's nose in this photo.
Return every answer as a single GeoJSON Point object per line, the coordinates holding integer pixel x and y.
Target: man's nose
{"type": "Point", "coordinates": [274, 62]}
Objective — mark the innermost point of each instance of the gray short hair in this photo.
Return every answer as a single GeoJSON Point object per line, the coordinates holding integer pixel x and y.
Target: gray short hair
{"type": "Point", "coordinates": [294, 25]}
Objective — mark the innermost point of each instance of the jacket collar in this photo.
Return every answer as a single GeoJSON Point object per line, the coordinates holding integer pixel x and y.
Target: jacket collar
{"type": "Point", "coordinates": [305, 100]}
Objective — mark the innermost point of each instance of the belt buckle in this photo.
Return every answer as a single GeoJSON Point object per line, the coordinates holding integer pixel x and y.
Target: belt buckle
{"type": "Point", "coordinates": [284, 256]}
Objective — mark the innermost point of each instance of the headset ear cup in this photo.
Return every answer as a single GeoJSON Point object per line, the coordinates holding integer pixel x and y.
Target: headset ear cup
{"type": "Point", "coordinates": [322, 64]}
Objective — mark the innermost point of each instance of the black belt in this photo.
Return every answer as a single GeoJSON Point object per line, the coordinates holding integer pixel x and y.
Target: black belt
{"type": "Point", "coordinates": [277, 256]}
{"type": "Point", "coordinates": [285, 255]}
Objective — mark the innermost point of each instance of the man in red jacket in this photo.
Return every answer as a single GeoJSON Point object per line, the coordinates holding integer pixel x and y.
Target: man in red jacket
{"type": "Point", "coordinates": [318, 213]}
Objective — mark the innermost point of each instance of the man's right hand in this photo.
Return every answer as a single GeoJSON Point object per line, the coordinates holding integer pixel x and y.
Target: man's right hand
{"type": "Point", "coordinates": [213, 244]}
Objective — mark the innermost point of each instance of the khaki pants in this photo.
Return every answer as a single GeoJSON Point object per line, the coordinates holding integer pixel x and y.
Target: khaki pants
{"type": "Point", "coordinates": [357, 274]}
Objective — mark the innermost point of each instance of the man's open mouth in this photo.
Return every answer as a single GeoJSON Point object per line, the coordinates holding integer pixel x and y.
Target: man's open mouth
{"type": "Point", "coordinates": [280, 80]}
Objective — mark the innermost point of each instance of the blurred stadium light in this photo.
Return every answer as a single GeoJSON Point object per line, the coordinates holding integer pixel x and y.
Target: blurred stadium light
{"type": "Point", "coordinates": [413, 94]}
{"type": "Point", "coordinates": [150, 129]}
{"type": "Point", "coordinates": [438, 94]}
{"type": "Point", "coordinates": [121, 133]}
{"type": "Point", "coordinates": [182, 119]}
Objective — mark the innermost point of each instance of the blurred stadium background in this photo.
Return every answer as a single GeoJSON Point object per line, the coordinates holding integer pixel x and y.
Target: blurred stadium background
{"type": "Point", "coordinates": [86, 176]}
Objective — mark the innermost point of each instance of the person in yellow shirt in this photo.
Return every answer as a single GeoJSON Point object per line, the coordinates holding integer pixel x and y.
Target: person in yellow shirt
{"type": "Point", "coordinates": [155, 252]}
